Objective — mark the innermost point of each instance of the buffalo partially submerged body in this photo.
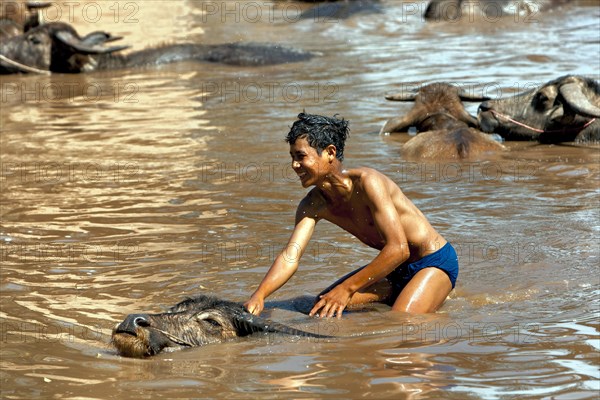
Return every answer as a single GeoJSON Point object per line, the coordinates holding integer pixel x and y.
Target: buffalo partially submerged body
{"type": "Point", "coordinates": [562, 110]}
{"type": "Point", "coordinates": [487, 10]}
{"type": "Point", "coordinates": [446, 129]}
{"type": "Point", "coordinates": [57, 47]}
{"type": "Point", "coordinates": [193, 322]}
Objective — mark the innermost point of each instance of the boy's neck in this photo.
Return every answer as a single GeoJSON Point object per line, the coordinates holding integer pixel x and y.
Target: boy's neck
{"type": "Point", "coordinates": [337, 185]}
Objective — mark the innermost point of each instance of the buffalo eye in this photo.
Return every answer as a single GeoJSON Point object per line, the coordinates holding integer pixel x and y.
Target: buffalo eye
{"type": "Point", "coordinates": [213, 322]}
{"type": "Point", "coordinates": [34, 39]}
{"type": "Point", "coordinates": [542, 101]}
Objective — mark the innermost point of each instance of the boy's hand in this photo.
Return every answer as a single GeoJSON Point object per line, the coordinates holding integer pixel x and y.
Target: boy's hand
{"type": "Point", "coordinates": [332, 303]}
{"type": "Point", "coordinates": [255, 305]}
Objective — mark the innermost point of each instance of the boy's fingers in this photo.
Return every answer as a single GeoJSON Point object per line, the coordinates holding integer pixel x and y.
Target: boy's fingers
{"type": "Point", "coordinates": [323, 310]}
{"type": "Point", "coordinates": [252, 309]}
{"type": "Point", "coordinates": [326, 311]}
{"type": "Point", "coordinates": [331, 312]}
{"type": "Point", "coordinates": [315, 309]}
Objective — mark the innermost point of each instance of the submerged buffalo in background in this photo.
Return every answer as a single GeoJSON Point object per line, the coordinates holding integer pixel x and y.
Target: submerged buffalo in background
{"type": "Point", "coordinates": [193, 322]}
{"type": "Point", "coordinates": [446, 129]}
{"type": "Point", "coordinates": [563, 110]}
{"type": "Point", "coordinates": [57, 47]}
{"type": "Point", "coordinates": [332, 10]}
{"type": "Point", "coordinates": [487, 10]}
{"type": "Point", "coordinates": [54, 47]}
{"type": "Point", "coordinates": [18, 16]}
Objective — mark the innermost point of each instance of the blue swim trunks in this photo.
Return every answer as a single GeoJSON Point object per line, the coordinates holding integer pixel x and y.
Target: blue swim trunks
{"type": "Point", "coordinates": [444, 259]}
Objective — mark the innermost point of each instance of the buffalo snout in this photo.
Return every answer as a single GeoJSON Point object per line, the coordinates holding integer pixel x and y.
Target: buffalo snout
{"type": "Point", "coordinates": [486, 118]}
{"type": "Point", "coordinates": [132, 322]}
{"type": "Point", "coordinates": [485, 106]}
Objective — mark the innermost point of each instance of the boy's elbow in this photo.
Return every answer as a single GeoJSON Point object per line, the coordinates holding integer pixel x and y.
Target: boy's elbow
{"type": "Point", "coordinates": [404, 255]}
{"type": "Point", "coordinates": [401, 252]}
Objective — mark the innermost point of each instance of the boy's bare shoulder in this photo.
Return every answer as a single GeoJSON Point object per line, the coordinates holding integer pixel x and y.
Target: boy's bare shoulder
{"type": "Point", "coordinates": [364, 172]}
{"type": "Point", "coordinates": [366, 175]}
{"type": "Point", "coordinates": [312, 205]}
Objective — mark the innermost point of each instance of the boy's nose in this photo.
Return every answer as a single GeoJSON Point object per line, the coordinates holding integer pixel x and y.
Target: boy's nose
{"type": "Point", "coordinates": [295, 164]}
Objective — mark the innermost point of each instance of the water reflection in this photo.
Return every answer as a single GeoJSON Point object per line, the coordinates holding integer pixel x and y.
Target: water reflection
{"type": "Point", "coordinates": [125, 192]}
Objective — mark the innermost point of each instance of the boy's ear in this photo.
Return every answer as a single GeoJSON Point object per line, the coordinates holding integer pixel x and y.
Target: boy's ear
{"type": "Point", "coordinates": [331, 151]}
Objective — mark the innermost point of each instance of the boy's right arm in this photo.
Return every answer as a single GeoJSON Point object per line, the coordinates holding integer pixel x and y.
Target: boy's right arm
{"type": "Point", "coordinates": [284, 266]}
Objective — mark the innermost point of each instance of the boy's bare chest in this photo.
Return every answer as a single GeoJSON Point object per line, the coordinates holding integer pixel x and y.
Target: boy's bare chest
{"type": "Point", "coordinates": [356, 219]}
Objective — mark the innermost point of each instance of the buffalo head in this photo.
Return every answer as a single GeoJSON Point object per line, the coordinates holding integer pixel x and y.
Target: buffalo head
{"type": "Point", "coordinates": [193, 322]}
{"type": "Point", "coordinates": [437, 106]}
{"type": "Point", "coordinates": [53, 47]}
{"type": "Point", "coordinates": [565, 109]}
{"type": "Point", "coordinates": [488, 10]}
{"type": "Point", "coordinates": [447, 128]}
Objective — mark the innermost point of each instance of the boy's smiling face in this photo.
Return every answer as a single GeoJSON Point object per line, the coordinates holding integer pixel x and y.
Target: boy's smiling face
{"type": "Point", "coordinates": [310, 166]}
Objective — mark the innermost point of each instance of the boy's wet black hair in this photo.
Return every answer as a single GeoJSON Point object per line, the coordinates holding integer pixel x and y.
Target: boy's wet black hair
{"type": "Point", "coordinates": [320, 132]}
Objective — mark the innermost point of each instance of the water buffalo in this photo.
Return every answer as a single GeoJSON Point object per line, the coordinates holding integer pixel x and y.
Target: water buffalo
{"type": "Point", "coordinates": [332, 10]}
{"type": "Point", "coordinates": [448, 129]}
{"type": "Point", "coordinates": [193, 322]}
{"type": "Point", "coordinates": [57, 47]}
{"type": "Point", "coordinates": [17, 17]}
{"type": "Point", "coordinates": [563, 110]}
{"type": "Point", "coordinates": [489, 10]}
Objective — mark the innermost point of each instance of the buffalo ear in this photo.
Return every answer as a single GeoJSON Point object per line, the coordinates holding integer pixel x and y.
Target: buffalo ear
{"type": "Point", "coordinates": [577, 101]}
{"type": "Point", "coordinates": [396, 124]}
{"type": "Point", "coordinates": [80, 46]}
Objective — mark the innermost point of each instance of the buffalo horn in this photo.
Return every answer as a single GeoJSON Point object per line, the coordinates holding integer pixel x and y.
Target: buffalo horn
{"type": "Point", "coordinates": [85, 48]}
{"type": "Point", "coordinates": [466, 96]}
{"type": "Point", "coordinates": [247, 324]}
{"type": "Point", "coordinates": [99, 37]}
{"type": "Point", "coordinates": [34, 5]}
{"type": "Point", "coordinates": [402, 96]}
{"type": "Point", "coordinates": [17, 66]}
{"type": "Point", "coordinates": [577, 101]}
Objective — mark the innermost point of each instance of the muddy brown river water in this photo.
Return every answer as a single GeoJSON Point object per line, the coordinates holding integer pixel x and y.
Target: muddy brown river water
{"type": "Point", "coordinates": [126, 191]}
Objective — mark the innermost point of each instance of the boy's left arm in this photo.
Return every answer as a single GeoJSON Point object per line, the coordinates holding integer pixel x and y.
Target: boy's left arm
{"type": "Point", "coordinates": [394, 252]}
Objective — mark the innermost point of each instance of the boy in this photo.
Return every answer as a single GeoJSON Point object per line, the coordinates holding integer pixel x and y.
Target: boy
{"type": "Point", "coordinates": [416, 267]}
